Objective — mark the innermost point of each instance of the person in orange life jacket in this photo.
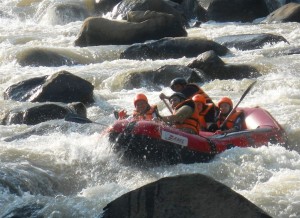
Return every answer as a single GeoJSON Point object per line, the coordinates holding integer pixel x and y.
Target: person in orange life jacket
{"type": "Point", "coordinates": [234, 122]}
{"type": "Point", "coordinates": [143, 111]}
{"type": "Point", "coordinates": [184, 116]}
{"type": "Point", "coordinates": [188, 89]}
{"type": "Point", "coordinates": [207, 113]}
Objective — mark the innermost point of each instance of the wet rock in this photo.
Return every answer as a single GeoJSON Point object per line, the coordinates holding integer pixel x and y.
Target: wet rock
{"type": "Point", "coordinates": [59, 87]}
{"type": "Point", "coordinates": [22, 91]}
{"type": "Point", "coordinates": [101, 31]}
{"type": "Point", "coordinates": [104, 6]}
{"type": "Point", "coordinates": [192, 9]}
{"type": "Point", "coordinates": [43, 57]}
{"type": "Point", "coordinates": [236, 10]}
{"type": "Point", "coordinates": [169, 72]}
{"type": "Point", "coordinates": [214, 67]}
{"type": "Point", "coordinates": [33, 115]}
{"type": "Point", "coordinates": [177, 47]}
{"type": "Point", "coordinates": [77, 108]}
{"type": "Point", "coordinates": [192, 196]}
{"type": "Point", "coordinates": [155, 79]}
{"type": "Point", "coordinates": [249, 41]}
{"type": "Point", "coordinates": [287, 13]}
{"type": "Point", "coordinates": [125, 6]}
{"type": "Point", "coordinates": [207, 66]}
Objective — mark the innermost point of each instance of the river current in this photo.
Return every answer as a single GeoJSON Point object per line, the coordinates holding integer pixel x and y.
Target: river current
{"type": "Point", "coordinates": [68, 169]}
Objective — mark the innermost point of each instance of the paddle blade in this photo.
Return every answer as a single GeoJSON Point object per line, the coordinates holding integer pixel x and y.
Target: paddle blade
{"type": "Point", "coordinates": [247, 90]}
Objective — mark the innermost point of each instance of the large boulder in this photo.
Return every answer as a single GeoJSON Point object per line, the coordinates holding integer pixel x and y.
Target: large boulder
{"type": "Point", "coordinates": [172, 48]}
{"type": "Point", "coordinates": [101, 31]}
{"type": "Point", "coordinates": [154, 79]}
{"type": "Point", "coordinates": [42, 112]}
{"type": "Point", "coordinates": [59, 87]}
{"type": "Point", "coordinates": [287, 13]}
{"type": "Point", "coordinates": [236, 10]}
{"type": "Point", "coordinates": [207, 66]}
{"type": "Point", "coordinates": [125, 6]}
{"type": "Point", "coordinates": [214, 68]}
{"type": "Point", "coordinates": [192, 196]}
{"type": "Point", "coordinates": [43, 57]}
{"type": "Point", "coordinates": [140, 16]}
{"type": "Point", "coordinates": [249, 41]}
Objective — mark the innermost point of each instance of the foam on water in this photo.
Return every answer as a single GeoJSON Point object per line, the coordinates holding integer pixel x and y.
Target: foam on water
{"type": "Point", "coordinates": [69, 170]}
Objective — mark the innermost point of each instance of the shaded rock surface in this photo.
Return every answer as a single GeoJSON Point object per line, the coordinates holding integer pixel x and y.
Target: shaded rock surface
{"type": "Point", "coordinates": [59, 87]}
{"type": "Point", "coordinates": [236, 10]}
{"type": "Point", "coordinates": [214, 68]}
{"type": "Point", "coordinates": [125, 6]}
{"type": "Point", "coordinates": [287, 13]}
{"type": "Point", "coordinates": [43, 57]}
{"type": "Point", "coordinates": [192, 9]}
{"type": "Point", "coordinates": [192, 196]}
{"type": "Point", "coordinates": [207, 66]}
{"type": "Point", "coordinates": [22, 91]}
{"type": "Point", "coordinates": [249, 41]}
{"type": "Point", "coordinates": [104, 6]}
{"type": "Point", "coordinates": [153, 25]}
{"type": "Point", "coordinates": [42, 112]}
{"type": "Point", "coordinates": [155, 79]}
{"type": "Point", "coordinates": [172, 48]}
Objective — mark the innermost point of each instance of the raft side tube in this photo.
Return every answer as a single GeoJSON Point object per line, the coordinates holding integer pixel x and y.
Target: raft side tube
{"type": "Point", "coordinates": [258, 118]}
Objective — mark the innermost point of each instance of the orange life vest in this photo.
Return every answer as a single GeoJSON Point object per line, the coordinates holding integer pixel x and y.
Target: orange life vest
{"type": "Point", "coordinates": [230, 122]}
{"type": "Point", "coordinates": [191, 122]}
{"type": "Point", "coordinates": [148, 115]}
{"type": "Point", "coordinates": [202, 116]}
{"type": "Point", "coordinates": [200, 92]}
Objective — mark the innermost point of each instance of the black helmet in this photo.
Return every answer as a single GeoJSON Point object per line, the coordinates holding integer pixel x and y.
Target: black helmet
{"type": "Point", "coordinates": [176, 81]}
{"type": "Point", "coordinates": [178, 94]}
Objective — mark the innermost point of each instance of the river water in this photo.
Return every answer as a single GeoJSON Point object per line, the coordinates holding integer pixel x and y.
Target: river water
{"type": "Point", "coordinates": [68, 170]}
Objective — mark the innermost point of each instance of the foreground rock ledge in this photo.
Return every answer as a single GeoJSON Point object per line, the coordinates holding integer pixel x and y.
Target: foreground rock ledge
{"type": "Point", "coordinates": [191, 196]}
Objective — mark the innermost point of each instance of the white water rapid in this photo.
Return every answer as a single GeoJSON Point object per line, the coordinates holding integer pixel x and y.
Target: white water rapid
{"type": "Point", "coordinates": [68, 169]}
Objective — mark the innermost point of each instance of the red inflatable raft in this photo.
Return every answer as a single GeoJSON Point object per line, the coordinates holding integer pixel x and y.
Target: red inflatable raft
{"type": "Point", "coordinates": [156, 143]}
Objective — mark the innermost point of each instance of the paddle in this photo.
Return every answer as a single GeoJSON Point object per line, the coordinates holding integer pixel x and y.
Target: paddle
{"type": "Point", "coordinates": [168, 106]}
{"type": "Point", "coordinates": [71, 117]}
{"type": "Point", "coordinates": [243, 96]}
